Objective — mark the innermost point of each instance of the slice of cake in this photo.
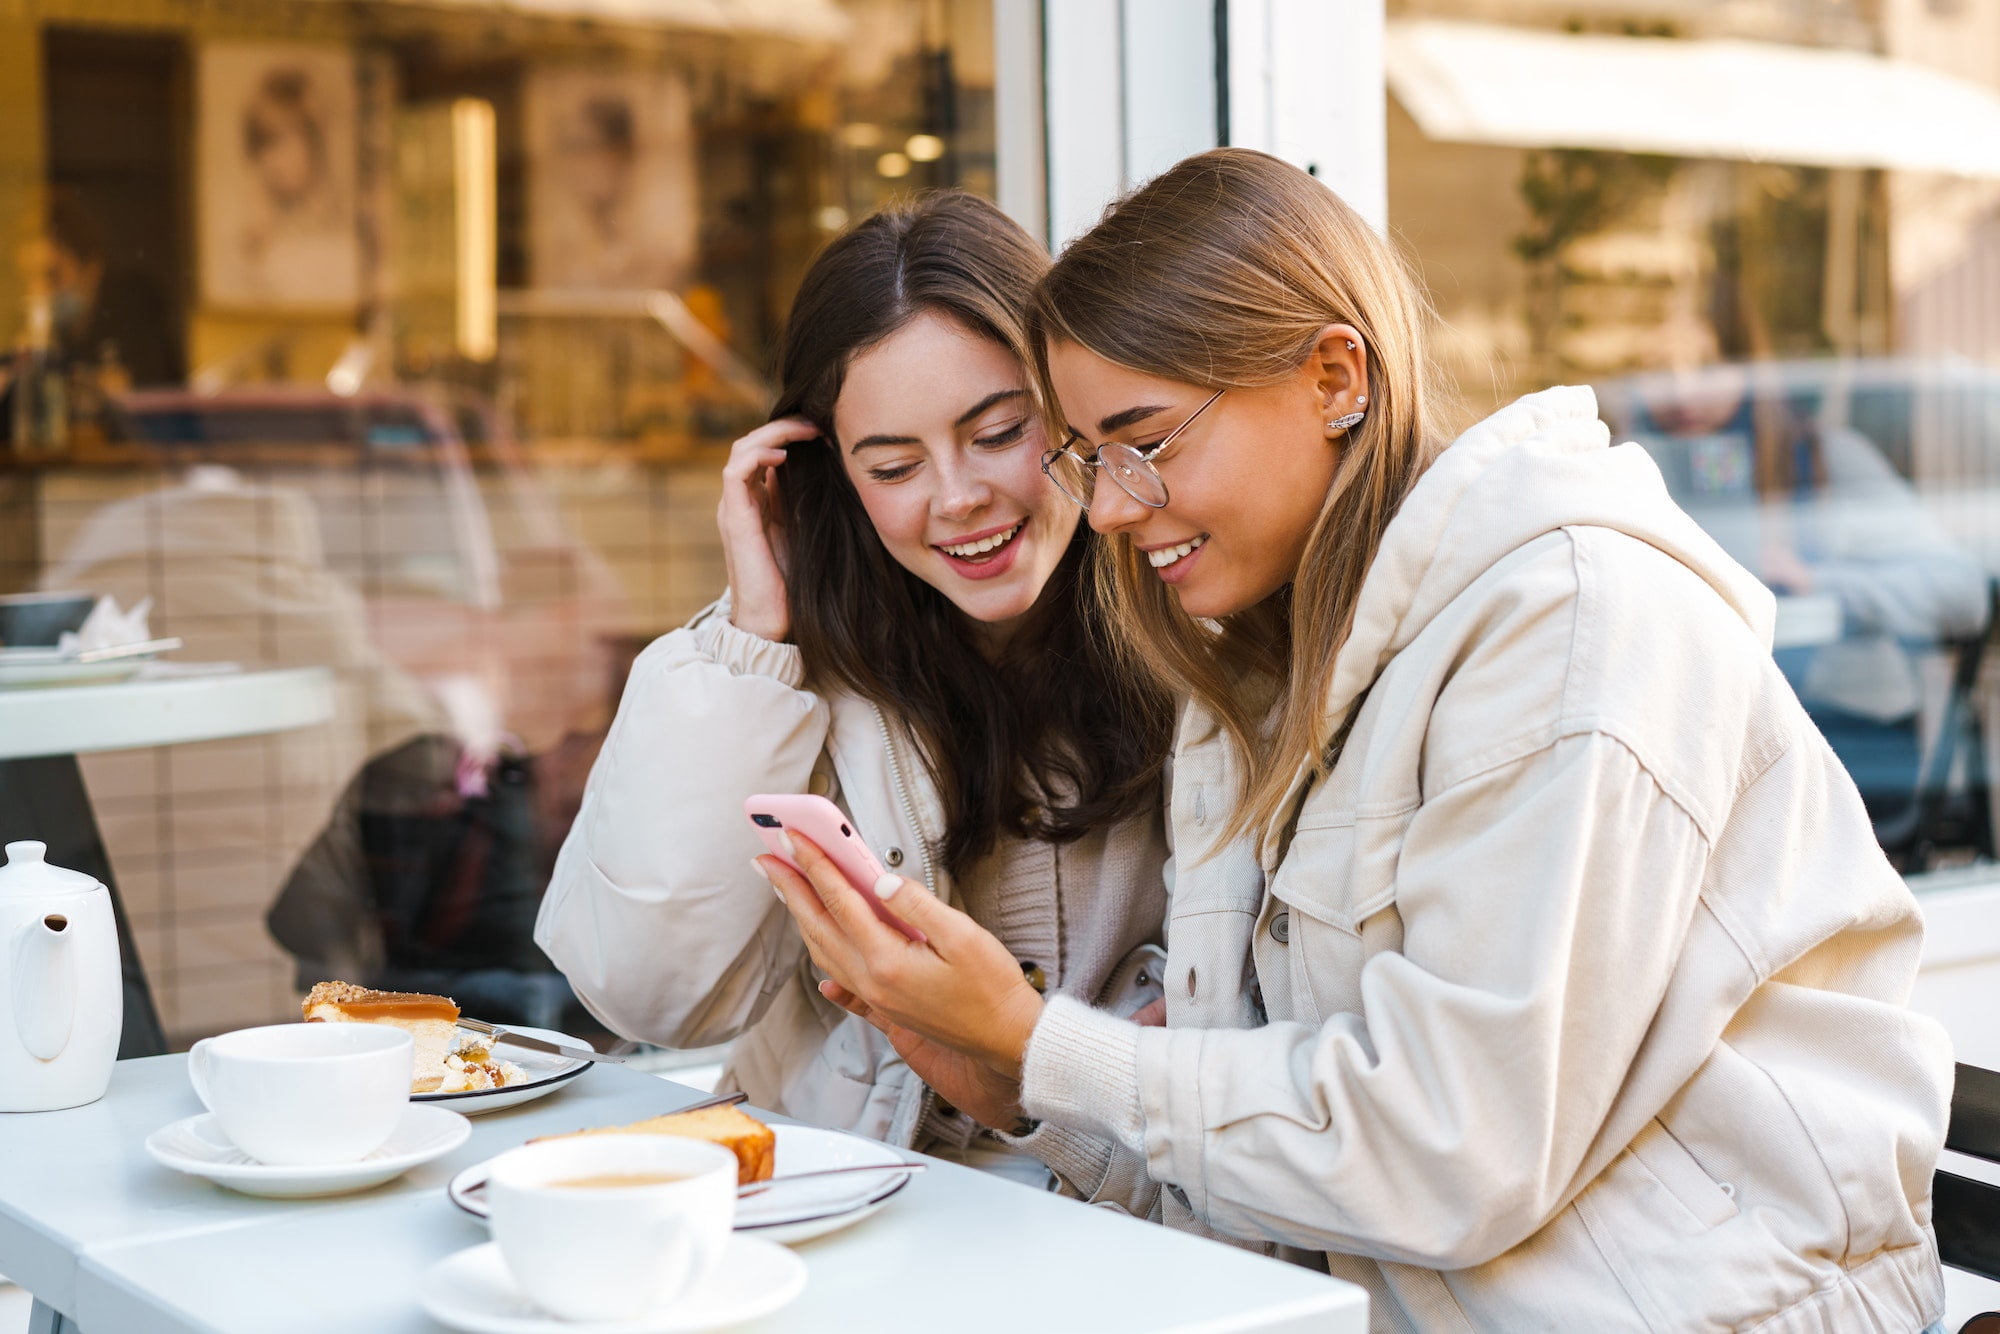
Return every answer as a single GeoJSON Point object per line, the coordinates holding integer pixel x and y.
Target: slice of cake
{"type": "Point", "coordinates": [474, 1068]}
{"type": "Point", "coordinates": [755, 1147]}
{"type": "Point", "coordinates": [431, 1022]}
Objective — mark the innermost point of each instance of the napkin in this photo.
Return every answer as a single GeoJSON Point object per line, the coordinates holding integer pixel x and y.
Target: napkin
{"type": "Point", "coordinates": [107, 627]}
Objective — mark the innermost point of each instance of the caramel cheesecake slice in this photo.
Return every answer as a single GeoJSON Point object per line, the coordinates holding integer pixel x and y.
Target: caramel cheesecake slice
{"type": "Point", "coordinates": [753, 1143]}
{"type": "Point", "coordinates": [431, 1022]}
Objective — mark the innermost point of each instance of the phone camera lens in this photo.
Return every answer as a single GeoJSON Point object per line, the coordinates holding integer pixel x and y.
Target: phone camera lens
{"type": "Point", "coordinates": [765, 821]}
{"type": "Point", "coordinates": [845, 832]}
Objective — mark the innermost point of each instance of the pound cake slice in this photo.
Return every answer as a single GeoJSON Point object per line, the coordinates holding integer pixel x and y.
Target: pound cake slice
{"type": "Point", "coordinates": [753, 1143]}
{"type": "Point", "coordinates": [431, 1022]}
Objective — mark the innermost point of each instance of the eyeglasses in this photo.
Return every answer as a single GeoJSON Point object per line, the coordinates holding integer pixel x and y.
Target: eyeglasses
{"type": "Point", "coordinates": [1128, 465]}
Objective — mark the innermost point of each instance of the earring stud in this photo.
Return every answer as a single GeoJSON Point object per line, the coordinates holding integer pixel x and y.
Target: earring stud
{"type": "Point", "coordinates": [1361, 400]}
{"type": "Point", "coordinates": [1350, 421]}
{"type": "Point", "coordinates": [1350, 345]}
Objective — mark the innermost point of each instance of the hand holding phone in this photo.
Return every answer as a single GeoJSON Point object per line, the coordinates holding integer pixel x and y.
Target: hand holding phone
{"type": "Point", "coordinates": [821, 821]}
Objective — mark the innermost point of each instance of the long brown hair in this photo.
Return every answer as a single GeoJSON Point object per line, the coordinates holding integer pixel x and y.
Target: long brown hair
{"type": "Point", "coordinates": [1050, 739]}
{"type": "Point", "coordinates": [1222, 273]}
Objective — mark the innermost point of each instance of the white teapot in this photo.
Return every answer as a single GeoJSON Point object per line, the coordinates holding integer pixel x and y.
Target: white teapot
{"type": "Point", "coordinates": [62, 999]}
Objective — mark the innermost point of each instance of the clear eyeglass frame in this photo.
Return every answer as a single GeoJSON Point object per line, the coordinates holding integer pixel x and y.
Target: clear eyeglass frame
{"type": "Point", "coordinates": [1128, 465]}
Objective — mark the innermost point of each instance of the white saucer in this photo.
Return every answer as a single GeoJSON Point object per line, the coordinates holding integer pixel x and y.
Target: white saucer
{"type": "Point", "coordinates": [35, 666]}
{"type": "Point", "coordinates": [786, 1213]}
{"type": "Point", "coordinates": [473, 1291]}
{"type": "Point", "coordinates": [542, 1073]}
{"type": "Point", "coordinates": [198, 1147]}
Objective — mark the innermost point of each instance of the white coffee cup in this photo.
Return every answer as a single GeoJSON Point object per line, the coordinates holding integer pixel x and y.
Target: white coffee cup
{"type": "Point", "coordinates": [299, 1095]}
{"type": "Point", "coordinates": [611, 1252]}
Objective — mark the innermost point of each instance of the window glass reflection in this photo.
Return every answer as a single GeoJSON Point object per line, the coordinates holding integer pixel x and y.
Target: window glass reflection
{"type": "Point", "coordinates": [405, 343]}
{"type": "Point", "coordinates": [1798, 325]}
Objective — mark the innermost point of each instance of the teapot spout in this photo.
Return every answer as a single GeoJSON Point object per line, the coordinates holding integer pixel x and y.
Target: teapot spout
{"type": "Point", "coordinates": [44, 984]}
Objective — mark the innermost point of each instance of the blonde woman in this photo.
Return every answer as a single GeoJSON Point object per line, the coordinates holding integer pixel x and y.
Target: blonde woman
{"type": "Point", "coordinates": [1530, 958]}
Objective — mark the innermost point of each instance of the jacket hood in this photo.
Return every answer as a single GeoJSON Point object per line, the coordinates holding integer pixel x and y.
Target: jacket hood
{"type": "Point", "coordinates": [1542, 463]}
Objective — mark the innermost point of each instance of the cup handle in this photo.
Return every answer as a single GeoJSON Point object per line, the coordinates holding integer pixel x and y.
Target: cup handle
{"type": "Point", "coordinates": [197, 1069]}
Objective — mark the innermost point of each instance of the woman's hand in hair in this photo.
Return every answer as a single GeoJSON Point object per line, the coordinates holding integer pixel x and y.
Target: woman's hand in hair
{"type": "Point", "coordinates": [959, 987]}
{"type": "Point", "coordinates": [966, 1082]}
{"type": "Point", "coordinates": [753, 540]}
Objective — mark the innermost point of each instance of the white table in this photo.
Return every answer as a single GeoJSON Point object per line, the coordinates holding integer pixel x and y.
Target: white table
{"type": "Point", "coordinates": [119, 1245]}
{"type": "Point", "coordinates": [128, 715]}
{"type": "Point", "coordinates": [42, 795]}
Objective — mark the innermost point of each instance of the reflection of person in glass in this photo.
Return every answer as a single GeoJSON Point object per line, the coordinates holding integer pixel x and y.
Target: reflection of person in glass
{"type": "Point", "coordinates": [285, 144]}
{"type": "Point", "coordinates": [105, 313]}
{"type": "Point", "coordinates": [1816, 510]}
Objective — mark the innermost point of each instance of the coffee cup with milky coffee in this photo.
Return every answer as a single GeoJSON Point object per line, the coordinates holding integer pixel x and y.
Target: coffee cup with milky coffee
{"type": "Point", "coordinates": [610, 1227]}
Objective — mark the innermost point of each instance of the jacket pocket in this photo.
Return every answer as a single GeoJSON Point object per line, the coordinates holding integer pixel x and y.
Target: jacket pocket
{"type": "Point", "coordinates": [1683, 1252]}
{"type": "Point", "coordinates": [1340, 869]}
{"type": "Point", "coordinates": [1309, 937]}
{"type": "Point", "coordinates": [1708, 1202]}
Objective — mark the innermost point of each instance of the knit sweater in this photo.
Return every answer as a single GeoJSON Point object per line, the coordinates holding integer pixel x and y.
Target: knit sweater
{"type": "Point", "coordinates": [1070, 913]}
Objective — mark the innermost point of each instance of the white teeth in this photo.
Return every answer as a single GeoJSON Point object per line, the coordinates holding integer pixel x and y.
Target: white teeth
{"type": "Point", "coordinates": [1166, 556]}
{"type": "Point", "coordinates": [985, 544]}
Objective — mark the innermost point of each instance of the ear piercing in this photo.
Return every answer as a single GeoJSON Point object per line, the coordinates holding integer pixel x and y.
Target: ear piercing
{"type": "Point", "coordinates": [1348, 422]}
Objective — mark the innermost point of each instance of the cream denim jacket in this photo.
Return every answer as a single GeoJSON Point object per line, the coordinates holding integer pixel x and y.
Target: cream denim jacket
{"type": "Point", "coordinates": [1574, 996]}
{"type": "Point", "coordinates": [669, 936]}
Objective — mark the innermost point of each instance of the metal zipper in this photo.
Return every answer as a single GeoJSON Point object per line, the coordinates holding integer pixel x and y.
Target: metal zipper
{"type": "Point", "coordinates": [903, 795]}
{"type": "Point", "coordinates": [916, 1091]}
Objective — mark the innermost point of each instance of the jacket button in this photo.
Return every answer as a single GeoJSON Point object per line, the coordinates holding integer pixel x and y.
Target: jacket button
{"type": "Point", "coordinates": [1190, 984]}
{"type": "Point", "coordinates": [893, 856]}
{"type": "Point", "coordinates": [1281, 928]}
{"type": "Point", "coordinates": [1036, 977]}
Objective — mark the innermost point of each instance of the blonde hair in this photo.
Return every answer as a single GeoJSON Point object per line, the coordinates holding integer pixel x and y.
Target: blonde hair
{"type": "Point", "coordinates": [1223, 272]}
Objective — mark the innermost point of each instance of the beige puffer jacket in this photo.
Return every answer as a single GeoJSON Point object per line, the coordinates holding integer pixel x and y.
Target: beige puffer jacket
{"type": "Point", "coordinates": [1582, 978]}
{"type": "Point", "coordinates": [668, 934]}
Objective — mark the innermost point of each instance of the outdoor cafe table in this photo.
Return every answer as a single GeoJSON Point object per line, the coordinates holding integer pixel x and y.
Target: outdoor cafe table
{"type": "Point", "coordinates": [109, 1242]}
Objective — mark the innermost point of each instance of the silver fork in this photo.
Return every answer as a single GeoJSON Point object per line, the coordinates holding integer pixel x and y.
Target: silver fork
{"type": "Point", "coordinates": [495, 1034]}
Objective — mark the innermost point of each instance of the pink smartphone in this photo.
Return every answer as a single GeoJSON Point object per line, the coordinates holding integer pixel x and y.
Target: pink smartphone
{"type": "Point", "coordinates": [821, 821]}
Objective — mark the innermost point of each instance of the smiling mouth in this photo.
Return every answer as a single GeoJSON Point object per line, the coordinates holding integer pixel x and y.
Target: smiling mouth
{"type": "Point", "coordinates": [1166, 556]}
{"type": "Point", "coordinates": [985, 547]}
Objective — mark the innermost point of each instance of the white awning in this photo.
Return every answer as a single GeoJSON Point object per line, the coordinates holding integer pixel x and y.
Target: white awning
{"type": "Point", "coordinates": [801, 20]}
{"type": "Point", "coordinates": [1761, 101]}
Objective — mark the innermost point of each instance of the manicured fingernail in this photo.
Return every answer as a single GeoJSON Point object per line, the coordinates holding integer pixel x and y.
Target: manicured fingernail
{"type": "Point", "coordinates": [886, 887]}
{"type": "Point", "coordinates": [785, 841]}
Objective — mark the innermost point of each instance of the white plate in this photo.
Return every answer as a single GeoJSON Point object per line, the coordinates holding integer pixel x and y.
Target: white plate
{"type": "Point", "coordinates": [473, 1291]}
{"type": "Point", "coordinates": [198, 1147]}
{"type": "Point", "coordinates": [542, 1074]}
{"type": "Point", "coordinates": [31, 666]}
{"type": "Point", "coordinates": [782, 1213]}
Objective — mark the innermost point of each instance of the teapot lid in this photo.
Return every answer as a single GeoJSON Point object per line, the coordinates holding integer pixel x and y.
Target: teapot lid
{"type": "Point", "coordinates": [26, 873]}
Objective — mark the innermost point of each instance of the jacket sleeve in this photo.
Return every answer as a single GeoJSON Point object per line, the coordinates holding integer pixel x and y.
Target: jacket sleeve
{"type": "Point", "coordinates": [1093, 1168]}
{"type": "Point", "coordinates": [654, 912]}
{"type": "Point", "coordinates": [1543, 905]}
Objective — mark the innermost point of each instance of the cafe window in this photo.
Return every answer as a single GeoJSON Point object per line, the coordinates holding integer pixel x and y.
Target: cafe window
{"type": "Point", "coordinates": [1795, 315]}
{"type": "Point", "coordinates": [400, 344]}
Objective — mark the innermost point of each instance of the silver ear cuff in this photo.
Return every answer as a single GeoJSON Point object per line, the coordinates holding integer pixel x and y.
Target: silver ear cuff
{"type": "Point", "coordinates": [1349, 422]}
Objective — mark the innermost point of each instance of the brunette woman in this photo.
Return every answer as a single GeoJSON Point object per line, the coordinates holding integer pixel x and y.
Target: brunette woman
{"type": "Point", "coordinates": [910, 631]}
{"type": "Point", "coordinates": [1532, 962]}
